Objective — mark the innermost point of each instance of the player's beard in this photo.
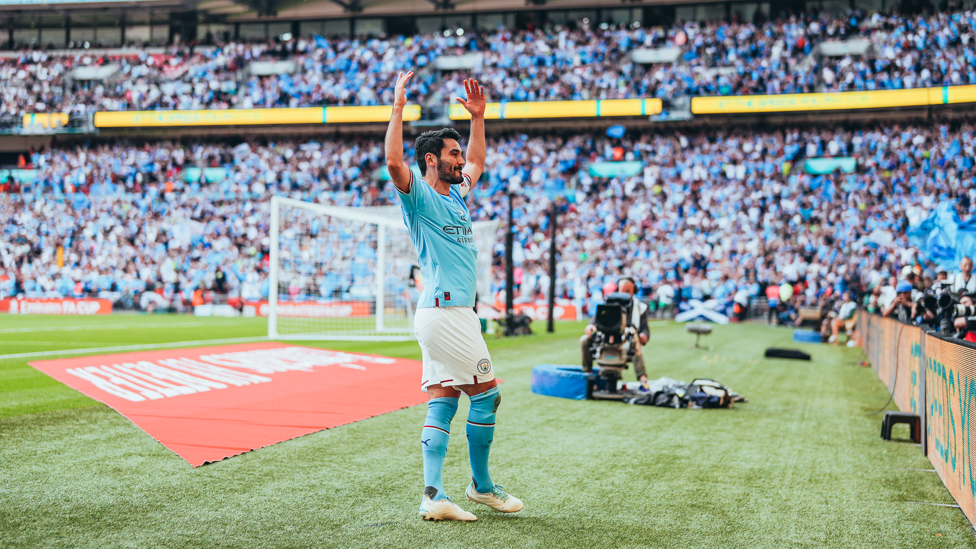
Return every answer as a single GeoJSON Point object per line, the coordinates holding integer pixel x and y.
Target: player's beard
{"type": "Point", "coordinates": [452, 175]}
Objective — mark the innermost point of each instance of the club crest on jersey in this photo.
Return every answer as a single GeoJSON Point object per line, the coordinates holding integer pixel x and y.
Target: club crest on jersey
{"type": "Point", "coordinates": [484, 366]}
{"type": "Point", "coordinates": [459, 211]}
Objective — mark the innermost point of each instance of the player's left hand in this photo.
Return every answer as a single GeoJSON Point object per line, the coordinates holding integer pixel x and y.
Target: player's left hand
{"type": "Point", "coordinates": [643, 339]}
{"type": "Point", "coordinates": [475, 103]}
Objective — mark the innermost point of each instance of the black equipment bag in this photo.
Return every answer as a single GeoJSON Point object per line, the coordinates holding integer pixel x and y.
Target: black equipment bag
{"type": "Point", "coordinates": [774, 352]}
{"type": "Point", "coordinates": [700, 393]}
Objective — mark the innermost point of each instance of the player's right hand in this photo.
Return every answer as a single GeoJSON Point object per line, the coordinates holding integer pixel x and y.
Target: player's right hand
{"type": "Point", "coordinates": [400, 90]}
{"type": "Point", "coordinates": [590, 329]}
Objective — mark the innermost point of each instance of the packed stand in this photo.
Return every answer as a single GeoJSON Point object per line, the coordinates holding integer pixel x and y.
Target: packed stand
{"type": "Point", "coordinates": [117, 220]}
{"type": "Point", "coordinates": [726, 216]}
{"type": "Point", "coordinates": [571, 62]}
{"type": "Point", "coordinates": [909, 52]}
{"type": "Point", "coordinates": [713, 215]}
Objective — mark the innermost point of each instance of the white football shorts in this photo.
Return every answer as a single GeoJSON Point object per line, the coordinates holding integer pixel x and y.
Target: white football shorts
{"type": "Point", "coordinates": [453, 350]}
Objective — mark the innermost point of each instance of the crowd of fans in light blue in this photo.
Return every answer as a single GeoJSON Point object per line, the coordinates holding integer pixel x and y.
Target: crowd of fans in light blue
{"type": "Point", "coordinates": [707, 214]}
{"type": "Point", "coordinates": [558, 62]}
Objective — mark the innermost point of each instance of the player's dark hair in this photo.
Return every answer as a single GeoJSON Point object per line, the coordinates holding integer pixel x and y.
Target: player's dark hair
{"type": "Point", "coordinates": [432, 142]}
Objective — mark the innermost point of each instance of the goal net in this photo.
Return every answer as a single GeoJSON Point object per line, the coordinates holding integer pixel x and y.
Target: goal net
{"type": "Point", "coordinates": [344, 273]}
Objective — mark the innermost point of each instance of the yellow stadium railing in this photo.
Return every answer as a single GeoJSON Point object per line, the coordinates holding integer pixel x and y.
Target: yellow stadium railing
{"type": "Point", "coordinates": [794, 102]}
{"type": "Point", "coordinates": [251, 117]}
{"type": "Point", "coordinates": [527, 110]}
{"type": "Point", "coordinates": [563, 109]}
{"type": "Point", "coordinates": [48, 120]}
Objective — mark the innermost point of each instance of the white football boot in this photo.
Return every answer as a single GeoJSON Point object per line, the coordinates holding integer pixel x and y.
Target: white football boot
{"type": "Point", "coordinates": [497, 499]}
{"type": "Point", "coordinates": [443, 509]}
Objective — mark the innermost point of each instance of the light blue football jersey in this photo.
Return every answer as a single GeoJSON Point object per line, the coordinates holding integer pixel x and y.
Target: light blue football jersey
{"type": "Point", "coordinates": [440, 228]}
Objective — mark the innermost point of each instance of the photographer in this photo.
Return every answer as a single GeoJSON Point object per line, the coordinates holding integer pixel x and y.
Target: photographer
{"type": "Point", "coordinates": [961, 323]}
{"type": "Point", "coordinates": [964, 281]}
{"type": "Point", "coordinates": [628, 286]}
{"type": "Point", "coordinates": [901, 307]}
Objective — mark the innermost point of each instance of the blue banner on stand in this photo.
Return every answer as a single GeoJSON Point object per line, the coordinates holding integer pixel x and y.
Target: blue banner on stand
{"type": "Point", "coordinates": [943, 238]}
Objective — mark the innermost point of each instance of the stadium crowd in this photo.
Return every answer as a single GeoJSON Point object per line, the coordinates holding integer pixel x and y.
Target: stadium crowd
{"type": "Point", "coordinates": [713, 214]}
{"type": "Point", "coordinates": [577, 61]}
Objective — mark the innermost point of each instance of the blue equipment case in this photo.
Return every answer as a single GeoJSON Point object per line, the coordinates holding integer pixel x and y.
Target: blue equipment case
{"type": "Point", "coordinates": [806, 336]}
{"type": "Point", "coordinates": [560, 380]}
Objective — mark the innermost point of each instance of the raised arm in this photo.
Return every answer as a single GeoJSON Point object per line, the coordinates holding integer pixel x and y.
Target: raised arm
{"type": "Point", "coordinates": [399, 171]}
{"type": "Point", "coordinates": [886, 312]}
{"type": "Point", "coordinates": [474, 163]}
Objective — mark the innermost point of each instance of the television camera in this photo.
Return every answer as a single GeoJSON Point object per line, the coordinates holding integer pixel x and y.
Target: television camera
{"type": "Point", "coordinates": [946, 309]}
{"type": "Point", "coordinates": [614, 344]}
{"type": "Point", "coordinates": [950, 312]}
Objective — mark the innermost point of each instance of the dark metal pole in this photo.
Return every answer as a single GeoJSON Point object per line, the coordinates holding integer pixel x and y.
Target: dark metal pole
{"type": "Point", "coordinates": [509, 272]}
{"type": "Point", "coordinates": [552, 265]}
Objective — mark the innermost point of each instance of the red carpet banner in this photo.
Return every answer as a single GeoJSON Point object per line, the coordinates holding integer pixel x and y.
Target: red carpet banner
{"type": "Point", "coordinates": [210, 403]}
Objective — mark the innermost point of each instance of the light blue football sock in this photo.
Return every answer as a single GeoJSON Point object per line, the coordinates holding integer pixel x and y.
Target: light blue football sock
{"type": "Point", "coordinates": [481, 431]}
{"type": "Point", "coordinates": [433, 441]}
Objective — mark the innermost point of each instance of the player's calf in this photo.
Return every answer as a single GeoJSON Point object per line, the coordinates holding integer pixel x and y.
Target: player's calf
{"type": "Point", "coordinates": [481, 432]}
{"type": "Point", "coordinates": [433, 443]}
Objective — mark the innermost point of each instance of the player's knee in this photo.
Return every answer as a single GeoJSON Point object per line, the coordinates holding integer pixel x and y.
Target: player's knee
{"type": "Point", "coordinates": [437, 425]}
{"type": "Point", "coordinates": [484, 406]}
{"type": "Point", "coordinates": [441, 411]}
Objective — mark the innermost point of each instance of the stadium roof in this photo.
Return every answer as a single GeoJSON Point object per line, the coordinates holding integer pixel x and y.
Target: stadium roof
{"type": "Point", "coordinates": [265, 10]}
{"type": "Point", "coordinates": [301, 9]}
{"type": "Point", "coordinates": [65, 6]}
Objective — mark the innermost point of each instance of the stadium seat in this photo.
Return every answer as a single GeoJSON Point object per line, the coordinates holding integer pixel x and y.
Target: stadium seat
{"type": "Point", "coordinates": [699, 329]}
{"type": "Point", "coordinates": [561, 381]}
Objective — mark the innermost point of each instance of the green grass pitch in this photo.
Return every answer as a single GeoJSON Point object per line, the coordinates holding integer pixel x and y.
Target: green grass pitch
{"type": "Point", "coordinates": [800, 465]}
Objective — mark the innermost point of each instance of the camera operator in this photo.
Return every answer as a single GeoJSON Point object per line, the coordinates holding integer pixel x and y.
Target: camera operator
{"type": "Point", "coordinates": [901, 307]}
{"type": "Point", "coordinates": [628, 286]}
{"type": "Point", "coordinates": [961, 323]}
{"type": "Point", "coordinates": [964, 281]}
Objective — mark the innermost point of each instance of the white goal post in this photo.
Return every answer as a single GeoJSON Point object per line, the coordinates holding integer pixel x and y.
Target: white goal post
{"type": "Point", "coordinates": [343, 273]}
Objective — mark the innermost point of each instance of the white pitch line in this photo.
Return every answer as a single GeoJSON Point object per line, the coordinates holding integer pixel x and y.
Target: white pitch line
{"type": "Point", "coordinates": [936, 504]}
{"type": "Point", "coordinates": [62, 343]}
{"type": "Point", "coordinates": [133, 347]}
{"type": "Point", "coordinates": [110, 327]}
